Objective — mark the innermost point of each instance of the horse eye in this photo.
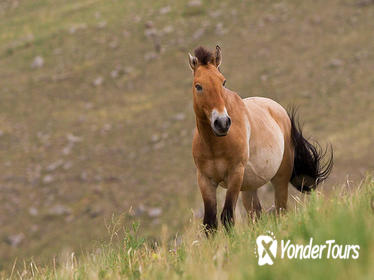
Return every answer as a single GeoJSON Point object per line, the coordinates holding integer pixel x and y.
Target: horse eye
{"type": "Point", "coordinates": [198, 87]}
{"type": "Point", "coordinates": [224, 83]}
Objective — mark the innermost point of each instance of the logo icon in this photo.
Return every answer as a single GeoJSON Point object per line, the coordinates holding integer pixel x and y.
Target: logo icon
{"type": "Point", "coordinates": [266, 249]}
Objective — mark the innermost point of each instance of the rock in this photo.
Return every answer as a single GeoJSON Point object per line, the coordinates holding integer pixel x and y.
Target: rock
{"type": "Point", "coordinates": [74, 139]}
{"type": "Point", "coordinates": [69, 218]}
{"type": "Point", "coordinates": [98, 81]}
{"type": "Point", "coordinates": [363, 54]}
{"type": "Point", "coordinates": [132, 155]}
{"type": "Point", "coordinates": [194, 3]}
{"type": "Point", "coordinates": [15, 240]}
{"type": "Point", "coordinates": [365, 3]}
{"type": "Point", "coordinates": [180, 117]}
{"type": "Point", "coordinates": [77, 27]}
{"type": "Point", "coordinates": [114, 74]}
{"type": "Point", "coordinates": [59, 210]}
{"type": "Point", "coordinates": [94, 211]}
{"type": "Point", "coordinates": [155, 222]}
{"type": "Point", "coordinates": [158, 145]}
{"type": "Point", "coordinates": [138, 211]}
{"type": "Point", "coordinates": [126, 34]}
{"type": "Point", "coordinates": [33, 211]}
{"type": "Point", "coordinates": [129, 70]}
{"type": "Point", "coordinates": [199, 213]}
{"type": "Point", "coordinates": [57, 51]}
{"type": "Point", "coordinates": [113, 44]}
{"type": "Point", "coordinates": [316, 20]}
{"type": "Point", "coordinates": [34, 228]}
{"type": "Point", "coordinates": [38, 62]}
{"type": "Point", "coordinates": [84, 176]}
{"type": "Point", "coordinates": [117, 72]}
{"type": "Point", "coordinates": [99, 178]}
{"type": "Point", "coordinates": [67, 149]}
{"type": "Point", "coordinates": [88, 105]}
{"type": "Point", "coordinates": [150, 56]}
{"type": "Point", "coordinates": [154, 212]}
{"type": "Point", "coordinates": [215, 14]}
{"type": "Point", "coordinates": [168, 29]}
{"type": "Point", "coordinates": [150, 32]}
{"type": "Point", "coordinates": [165, 10]}
{"type": "Point", "coordinates": [155, 138]}
{"type": "Point", "coordinates": [137, 19]}
{"type": "Point", "coordinates": [335, 63]}
{"type": "Point", "coordinates": [198, 33]}
{"type": "Point", "coordinates": [184, 132]}
{"type": "Point", "coordinates": [102, 24]}
{"type": "Point", "coordinates": [53, 166]}
{"type": "Point", "coordinates": [107, 127]}
{"type": "Point", "coordinates": [219, 29]}
{"type": "Point", "coordinates": [48, 179]}
{"type": "Point", "coordinates": [149, 24]}
{"type": "Point", "coordinates": [165, 125]}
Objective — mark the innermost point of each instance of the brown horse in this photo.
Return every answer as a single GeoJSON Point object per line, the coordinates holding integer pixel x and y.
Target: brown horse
{"type": "Point", "coordinates": [241, 144]}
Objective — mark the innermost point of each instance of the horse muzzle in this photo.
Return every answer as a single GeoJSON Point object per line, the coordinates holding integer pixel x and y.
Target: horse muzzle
{"type": "Point", "coordinates": [221, 125]}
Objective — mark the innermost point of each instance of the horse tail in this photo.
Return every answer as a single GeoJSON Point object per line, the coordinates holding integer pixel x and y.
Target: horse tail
{"type": "Point", "coordinates": [308, 171]}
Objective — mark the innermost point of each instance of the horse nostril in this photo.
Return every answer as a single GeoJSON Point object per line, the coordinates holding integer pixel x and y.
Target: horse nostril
{"type": "Point", "coordinates": [228, 122]}
{"type": "Point", "coordinates": [216, 123]}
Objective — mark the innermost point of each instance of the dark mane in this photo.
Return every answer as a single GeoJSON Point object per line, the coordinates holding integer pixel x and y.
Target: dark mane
{"type": "Point", "coordinates": [203, 55]}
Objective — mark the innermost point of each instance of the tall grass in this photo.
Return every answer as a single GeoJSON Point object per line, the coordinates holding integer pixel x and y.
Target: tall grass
{"type": "Point", "coordinates": [346, 216]}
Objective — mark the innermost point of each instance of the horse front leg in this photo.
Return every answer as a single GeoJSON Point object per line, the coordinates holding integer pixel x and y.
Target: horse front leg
{"type": "Point", "coordinates": [208, 192]}
{"type": "Point", "coordinates": [234, 184]}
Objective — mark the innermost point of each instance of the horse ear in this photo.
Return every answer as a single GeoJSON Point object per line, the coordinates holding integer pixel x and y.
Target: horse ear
{"type": "Point", "coordinates": [217, 56]}
{"type": "Point", "coordinates": [192, 61]}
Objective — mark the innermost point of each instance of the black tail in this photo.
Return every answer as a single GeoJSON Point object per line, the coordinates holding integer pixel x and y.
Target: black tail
{"type": "Point", "coordinates": [308, 171]}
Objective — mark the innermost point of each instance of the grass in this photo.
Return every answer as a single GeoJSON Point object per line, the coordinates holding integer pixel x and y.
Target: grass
{"type": "Point", "coordinates": [315, 54]}
{"type": "Point", "coordinates": [346, 217]}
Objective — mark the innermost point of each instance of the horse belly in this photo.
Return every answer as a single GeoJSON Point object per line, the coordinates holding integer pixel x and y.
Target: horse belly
{"type": "Point", "coordinates": [264, 163]}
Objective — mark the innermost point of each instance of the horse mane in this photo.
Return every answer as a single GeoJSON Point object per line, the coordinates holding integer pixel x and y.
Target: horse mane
{"type": "Point", "coordinates": [203, 55]}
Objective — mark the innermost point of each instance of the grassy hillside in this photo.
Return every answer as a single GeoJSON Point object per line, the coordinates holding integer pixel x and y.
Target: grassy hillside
{"type": "Point", "coordinates": [96, 115]}
{"type": "Point", "coordinates": [346, 217]}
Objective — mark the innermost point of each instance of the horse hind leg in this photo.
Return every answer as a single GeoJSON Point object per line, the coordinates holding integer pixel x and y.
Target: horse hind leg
{"type": "Point", "coordinates": [281, 179]}
{"type": "Point", "coordinates": [280, 184]}
{"type": "Point", "coordinates": [280, 194]}
{"type": "Point", "coordinates": [252, 204]}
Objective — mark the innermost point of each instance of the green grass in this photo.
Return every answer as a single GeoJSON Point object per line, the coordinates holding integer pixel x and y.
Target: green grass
{"type": "Point", "coordinates": [345, 216]}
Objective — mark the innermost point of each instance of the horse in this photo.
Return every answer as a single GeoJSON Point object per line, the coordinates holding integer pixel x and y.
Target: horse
{"type": "Point", "coordinates": [242, 144]}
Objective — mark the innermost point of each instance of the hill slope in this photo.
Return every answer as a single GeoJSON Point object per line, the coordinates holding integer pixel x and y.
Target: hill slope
{"type": "Point", "coordinates": [95, 104]}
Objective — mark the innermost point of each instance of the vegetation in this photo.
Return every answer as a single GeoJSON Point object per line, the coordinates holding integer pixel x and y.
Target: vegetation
{"type": "Point", "coordinates": [346, 217]}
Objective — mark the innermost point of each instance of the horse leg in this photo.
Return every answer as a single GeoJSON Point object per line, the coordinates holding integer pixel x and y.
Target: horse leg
{"type": "Point", "coordinates": [234, 183]}
{"type": "Point", "coordinates": [208, 192]}
{"type": "Point", "coordinates": [280, 195]}
{"type": "Point", "coordinates": [252, 204]}
{"type": "Point", "coordinates": [281, 179]}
